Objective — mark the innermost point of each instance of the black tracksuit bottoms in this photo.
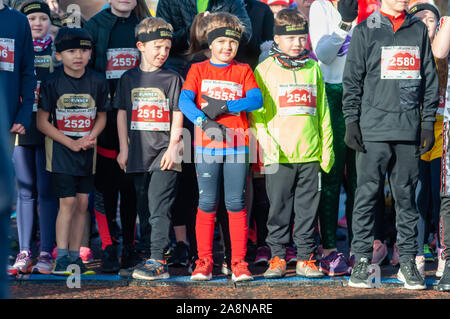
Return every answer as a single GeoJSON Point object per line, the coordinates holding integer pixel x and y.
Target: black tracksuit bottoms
{"type": "Point", "coordinates": [293, 189]}
{"type": "Point", "coordinates": [401, 161]}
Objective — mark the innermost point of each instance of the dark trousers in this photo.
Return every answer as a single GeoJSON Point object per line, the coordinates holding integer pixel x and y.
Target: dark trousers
{"type": "Point", "coordinates": [110, 180]}
{"type": "Point", "coordinates": [401, 161]}
{"type": "Point", "coordinates": [156, 192]}
{"type": "Point", "coordinates": [294, 188]}
{"type": "Point", "coordinates": [445, 226]}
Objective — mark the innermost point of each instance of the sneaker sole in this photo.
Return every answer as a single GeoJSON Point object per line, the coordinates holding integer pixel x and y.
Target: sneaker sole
{"type": "Point", "coordinates": [333, 274]}
{"type": "Point", "coordinates": [309, 276]}
{"type": "Point", "coordinates": [439, 274]}
{"type": "Point", "coordinates": [241, 278]}
{"type": "Point", "coordinates": [443, 287]}
{"type": "Point", "coordinates": [401, 278]}
{"type": "Point", "coordinates": [40, 271]}
{"type": "Point", "coordinates": [61, 273]}
{"type": "Point", "coordinates": [201, 277]}
{"type": "Point", "coordinates": [143, 277]}
{"type": "Point", "coordinates": [358, 285]}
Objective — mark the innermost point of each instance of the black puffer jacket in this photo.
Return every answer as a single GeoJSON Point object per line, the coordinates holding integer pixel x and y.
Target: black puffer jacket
{"type": "Point", "coordinates": [181, 13]}
{"type": "Point", "coordinates": [389, 109]}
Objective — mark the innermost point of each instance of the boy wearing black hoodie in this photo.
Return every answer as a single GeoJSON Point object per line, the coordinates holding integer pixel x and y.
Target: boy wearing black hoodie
{"type": "Point", "coordinates": [389, 72]}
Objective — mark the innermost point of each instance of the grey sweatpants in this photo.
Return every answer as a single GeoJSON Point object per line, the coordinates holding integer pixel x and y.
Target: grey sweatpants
{"type": "Point", "coordinates": [401, 161]}
{"type": "Point", "coordinates": [294, 188]}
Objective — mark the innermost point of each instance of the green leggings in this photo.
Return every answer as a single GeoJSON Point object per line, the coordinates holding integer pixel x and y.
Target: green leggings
{"type": "Point", "coordinates": [342, 172]}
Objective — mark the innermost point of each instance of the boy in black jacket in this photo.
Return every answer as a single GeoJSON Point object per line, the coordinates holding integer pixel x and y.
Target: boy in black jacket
{"type": "Point", "coordinates": [390, 72]}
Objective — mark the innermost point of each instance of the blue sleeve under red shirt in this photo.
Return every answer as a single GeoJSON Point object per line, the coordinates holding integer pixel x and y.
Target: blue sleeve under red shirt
{"type": "Point", "coordinates": [17, 76]}
{"type": "Point", "coordinates": [232, 82]}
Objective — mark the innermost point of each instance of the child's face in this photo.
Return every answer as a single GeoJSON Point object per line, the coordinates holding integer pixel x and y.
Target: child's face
{"type": "Point", "coordinates": [395, 5]}
{"type": "Point", "coordinates": [430, 21]}
{"type": "Point", "coordinates": [123, 5]}
{"type": "Point", "coordinates": [292, 45]}
{"type": "Point", "coordinates": [39, 24]}
{"type": "Point", "coordinates": [156, 52]}
{"type": "Point", "coordinates": [223, 49]}
{"type": "Point", "coordinates": [277, 8]}
{"type": "Point", "coordinates": [74, 59]}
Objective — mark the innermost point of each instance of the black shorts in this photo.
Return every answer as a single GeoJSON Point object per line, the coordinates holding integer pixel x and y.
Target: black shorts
{"type": "Point", "coordinates": [69, 186]}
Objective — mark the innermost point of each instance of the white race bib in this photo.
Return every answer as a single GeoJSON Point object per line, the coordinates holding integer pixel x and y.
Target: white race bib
{"type": "Point", "coordinates": [75, 122]}
{"type": "Point", "coordinates": [150, 115]}
{"type": "Point", "coordinates": [119, 61]}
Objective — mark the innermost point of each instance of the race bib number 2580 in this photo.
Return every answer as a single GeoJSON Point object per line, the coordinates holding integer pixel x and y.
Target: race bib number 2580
{"type": "Point", "coordinates": [6, 54]}
{"type": "Point", "coordinates": [400, 62]}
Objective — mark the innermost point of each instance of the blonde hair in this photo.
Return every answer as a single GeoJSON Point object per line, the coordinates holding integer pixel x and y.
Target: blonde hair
{"type": "Point", "coordinates": [152, 24]}
{"type": "Point", "coordinates": [223, 19]}
{"type": "Point", "coordinates": [290, 17]}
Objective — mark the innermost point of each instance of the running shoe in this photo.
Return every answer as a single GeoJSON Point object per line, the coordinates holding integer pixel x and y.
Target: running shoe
{"type": "Point", "coordinates": [420, 264]}
{"type": "Point", "coordinates": [360, 274]}
{"type": "Point", "coordinates": [61, 266]}
{"type": "Point", "coordinates": [203, 269]}
{"type": "Point", "coordinates": [110, 261]}
{"type": "Point", "coordinates": [410, 276]}
{"type": "Point", "coordinates": [23, 262]}
{"type": "Point", "coordinates": [180, 255]}
{"type": "Point", "coordinates": [86, 255]}
{"type": "Point", "coordinates": [240, 271]}
{"type": "Point", "coordinates": [152, 270]}
{"type": "Point", "coordinates": [262, 255]}
{"type": "Point", "coordinates": [444, 282]}
{"type": "Point", "coordinates": [83, 269]}
{"type": "Point", "coordinates": [441, 262]}
{"type": "Point", "coordinates": [44, 264]}
{"type": "Point", "coordinates": [308, 268]}
{"type": "Point", "coordinates": [277, 268]}
{"type": "Point", "coordinates": [335, 264]}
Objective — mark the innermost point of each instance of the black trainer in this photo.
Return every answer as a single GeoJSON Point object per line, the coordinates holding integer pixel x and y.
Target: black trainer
{"type": "Point", "coordinates": [83, 269]}
{"type": "Point", "coordinates": [130, 258]}
{"type": "Point", "coordinates": [110, 261]}
{"type": "Point", "coordinates": [410, 276]}
{"type": "Point", "coordinates": [444, 282]}
{"type": "Point", "coordinates": [61, 265]}
{"type": "Point", "coordinates": [179, 255]}
{"type": "Point", "coordinates": [360, 274]}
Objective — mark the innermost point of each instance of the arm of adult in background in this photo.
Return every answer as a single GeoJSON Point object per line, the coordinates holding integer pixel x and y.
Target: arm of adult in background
{"type": "Point", "coordinates": [238, 9]}
{"type": "Point", "coordinates": [91, 27]}
{"type": "Point", "coordinates": [326, 39]}
{"type": "Point", "coordinates": [441, 43]}
{"type": "Point", "coordinates": [353, 77]}
{"type": "Point", "coordinates": [27, 84]}
{"type": "Point", "coordinates": [180, 36]}
{"type": "Point", "coordinates": [431, 85]}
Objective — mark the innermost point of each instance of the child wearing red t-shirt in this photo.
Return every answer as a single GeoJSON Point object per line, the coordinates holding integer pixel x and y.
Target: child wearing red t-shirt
{"type": "Point", "coordinates": [215, 97]}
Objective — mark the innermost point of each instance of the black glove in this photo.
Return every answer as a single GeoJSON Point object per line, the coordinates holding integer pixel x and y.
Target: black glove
{"type": "Point", "coordinates": [215, 131]}
{"type": "Point", "coordinates": [215, 107]}
{"type": "Point", "coordinates": [348, 10]}
{"type": "Point", "coordinates": [427, 137]}
{"type": "Point", "coordinates": [353, 137]}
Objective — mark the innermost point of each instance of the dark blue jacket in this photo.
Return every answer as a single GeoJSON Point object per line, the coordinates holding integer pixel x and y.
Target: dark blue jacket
{"type": "Point", "coordinates": [18, 79]}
